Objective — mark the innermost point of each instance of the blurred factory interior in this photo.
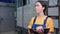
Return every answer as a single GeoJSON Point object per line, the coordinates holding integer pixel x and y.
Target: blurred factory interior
{"type": "Point", "coordinates": [16, 14]}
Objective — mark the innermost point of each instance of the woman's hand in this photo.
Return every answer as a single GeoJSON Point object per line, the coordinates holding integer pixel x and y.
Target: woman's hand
{"type": "Point", "coordinates": [39, 29]}
{"type": "Point", "coordinates": [49, 33]}
{"type": "Point", "coordinates": [29, 31]}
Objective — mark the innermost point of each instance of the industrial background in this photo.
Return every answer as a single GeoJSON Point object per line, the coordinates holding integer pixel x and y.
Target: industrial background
{"type": "Point", "coordinates": [16, 14]}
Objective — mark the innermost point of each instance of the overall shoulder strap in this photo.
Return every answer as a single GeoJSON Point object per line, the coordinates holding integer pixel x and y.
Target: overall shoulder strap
{"type": "Point", "coordinates": [34, 19]}
{"type": "Point", "coordinates": [45, 20]}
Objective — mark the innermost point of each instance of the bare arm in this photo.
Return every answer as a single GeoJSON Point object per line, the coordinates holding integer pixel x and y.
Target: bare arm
{"type": "Point", "coordinates": [28, 31]}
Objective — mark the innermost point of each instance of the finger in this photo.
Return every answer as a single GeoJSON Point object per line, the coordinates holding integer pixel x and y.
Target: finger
{"type": "Point", "coordinates": [49, 33]}
{"type": "Point", "coordinates": [41, 30]}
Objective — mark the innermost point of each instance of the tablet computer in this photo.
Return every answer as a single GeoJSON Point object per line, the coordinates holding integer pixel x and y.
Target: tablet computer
{"type": "Point", "coordinates": [46, 30]}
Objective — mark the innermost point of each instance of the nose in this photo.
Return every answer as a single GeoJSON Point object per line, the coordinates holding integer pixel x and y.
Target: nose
{"type": "Point", "coordinates": [35, 7]}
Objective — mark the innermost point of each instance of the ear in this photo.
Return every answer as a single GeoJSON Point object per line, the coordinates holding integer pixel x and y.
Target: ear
{"type": "Point", "coordinates": [43, 8]}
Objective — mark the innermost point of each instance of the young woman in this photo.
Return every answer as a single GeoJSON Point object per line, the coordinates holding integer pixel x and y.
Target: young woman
{"type": "Point", "coordinates": [41, 19]}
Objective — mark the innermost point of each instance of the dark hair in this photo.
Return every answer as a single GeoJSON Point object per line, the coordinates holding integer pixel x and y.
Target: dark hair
{"type": "Point", "coordinates": [44, 4]}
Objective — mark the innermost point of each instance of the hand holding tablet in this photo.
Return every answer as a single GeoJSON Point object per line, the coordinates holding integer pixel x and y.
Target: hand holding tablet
{"type": "Point", "coordinates": [40, 29]}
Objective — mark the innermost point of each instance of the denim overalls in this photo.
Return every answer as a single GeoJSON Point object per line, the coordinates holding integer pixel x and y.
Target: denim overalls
{"type": "Point", "coordinates": [36, 25]}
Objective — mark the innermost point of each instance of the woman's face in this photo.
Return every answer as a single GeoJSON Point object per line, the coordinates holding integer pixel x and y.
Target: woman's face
{"type": "Point", "coordinates": [38, 7]}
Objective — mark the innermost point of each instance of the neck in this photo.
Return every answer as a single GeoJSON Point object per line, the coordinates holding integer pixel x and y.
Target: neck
{"type": "Point", "coordinates": [41, 14]}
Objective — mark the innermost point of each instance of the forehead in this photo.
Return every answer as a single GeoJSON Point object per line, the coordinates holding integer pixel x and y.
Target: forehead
{"type": "Point", "coordinates": [37, 3]}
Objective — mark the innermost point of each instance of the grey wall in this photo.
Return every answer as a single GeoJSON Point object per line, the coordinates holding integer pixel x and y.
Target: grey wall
{"type": "Point", "coordinates": [7, 23]}
{"type": "Point", "coordinates": [27, 15]}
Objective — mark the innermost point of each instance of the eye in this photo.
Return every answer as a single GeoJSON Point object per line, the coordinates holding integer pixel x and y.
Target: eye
{"type": "Point", "coordinates": [36, 5]}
